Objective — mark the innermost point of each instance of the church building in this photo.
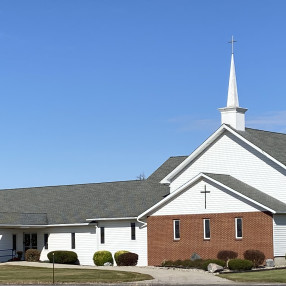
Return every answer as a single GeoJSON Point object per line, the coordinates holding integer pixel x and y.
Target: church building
{"type": "Point", "coordinates": [229, 194]}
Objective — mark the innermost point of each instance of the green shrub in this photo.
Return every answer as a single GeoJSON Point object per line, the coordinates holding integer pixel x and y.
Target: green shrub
{"type": "Point", "coordinates": [256, 256]}
{"type": "Point", "coordinates": [32, 255]}
{"type": "Point", "coordinates": [226, 255]}
{"type": "Point", "coordinates": [118, 253]}
{"type": "Point", "coordinates": [208, 261]}
{"type": "Point", "coordinates": [199, 263]}
{"type": "Point", "coordinates": [127, 259]}
{"type": "Point", "coordinates": [63, 257]}
{"type": "Point", "coordinates": [101, 257]}
{"type": "Point", "coordinates": [240, 264]}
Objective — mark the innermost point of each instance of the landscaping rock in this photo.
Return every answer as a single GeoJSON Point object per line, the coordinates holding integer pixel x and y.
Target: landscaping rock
{"type": "Point", "coordinates": [195, 256]}
{"type": "Point", "coordinates": [270, 263]}
{"type": "Point", "coordinates": [107, 264]}
{"type": "Point", "coordinates": [212, 268]}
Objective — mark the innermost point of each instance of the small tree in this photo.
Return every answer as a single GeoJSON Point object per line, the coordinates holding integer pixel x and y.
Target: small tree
{"type": "Point", "coordinates": [141, 177]}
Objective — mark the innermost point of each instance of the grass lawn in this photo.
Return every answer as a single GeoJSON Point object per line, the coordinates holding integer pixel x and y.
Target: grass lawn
{"type": "Point", "coordinates": [258, 276]}
{"type": "Point", "coordinates": [28, 275]}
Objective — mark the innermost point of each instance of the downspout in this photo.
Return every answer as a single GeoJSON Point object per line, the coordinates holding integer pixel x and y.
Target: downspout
{"type": "Point", "coordinates": [140, 221]}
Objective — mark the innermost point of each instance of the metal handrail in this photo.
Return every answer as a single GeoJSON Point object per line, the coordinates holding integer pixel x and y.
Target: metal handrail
{"type": "Point", "coordinates": [10, 255]}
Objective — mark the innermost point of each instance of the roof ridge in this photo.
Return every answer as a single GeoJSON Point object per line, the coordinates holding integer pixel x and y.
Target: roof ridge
{"type": "Point", "coordinates": [70, 185]}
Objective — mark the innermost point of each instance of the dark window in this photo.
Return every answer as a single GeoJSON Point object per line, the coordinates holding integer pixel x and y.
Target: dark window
{"type": "Point", "coordinates": [73, 240]}
{"type": "Point", "coordinates": [176, 224]}
{"type": "Point", "coordinates": [238, 227]}
{"type": "Point", "coordinates": [14, 242]}
{"type": "Point", "coordinates": [102, 237]}
{"type": "Point", "coordinates": [46, 237]}
{"type": "Point", "coordinates": [207, 229]}
{"type": "Point", "coordinates": [133, 234]}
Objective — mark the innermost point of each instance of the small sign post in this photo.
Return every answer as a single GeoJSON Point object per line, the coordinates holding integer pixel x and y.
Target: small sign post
{"type": "Point", "coordinates": [53, 268]}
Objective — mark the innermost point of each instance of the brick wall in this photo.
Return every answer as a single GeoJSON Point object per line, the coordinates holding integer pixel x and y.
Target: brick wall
{"type": "Point", "coordinates": [257, 234]}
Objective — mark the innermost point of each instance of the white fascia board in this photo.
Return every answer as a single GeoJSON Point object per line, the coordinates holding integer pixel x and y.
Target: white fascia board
{"type": "Point", "coordinates": [192, 181]}
{"type": "Point", "coordinates": [200, 149]}
{"type": "Point", "coordinates": [41, 225]}
{"type": "Point", "coordinates": [209, 141]}
{"type": "Point", "coordinates": [112, 219]}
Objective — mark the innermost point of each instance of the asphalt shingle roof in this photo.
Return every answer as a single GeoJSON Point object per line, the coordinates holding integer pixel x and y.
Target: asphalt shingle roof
{"type": "Point", "coordinates": [76, 203]}
{"type": "Point", "coordinates": [249, 192]}
{"type": "Point", "coordinates": [271, 142]}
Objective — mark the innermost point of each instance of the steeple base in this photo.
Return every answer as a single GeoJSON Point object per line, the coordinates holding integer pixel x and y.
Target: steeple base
{"type": "Point", "coordinates": [233, 116]}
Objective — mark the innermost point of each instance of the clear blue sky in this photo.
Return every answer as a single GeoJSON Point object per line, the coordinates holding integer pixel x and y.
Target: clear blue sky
{"type": "Point", "coordinates": [95, 91]}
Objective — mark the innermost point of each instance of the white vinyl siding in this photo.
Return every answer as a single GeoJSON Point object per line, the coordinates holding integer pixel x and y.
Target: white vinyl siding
{"type": "Point", "coordinates": [229, 155]}
{"type": "Point", "coordinates": [192, 201]}
{"type": "Point", "coordinates": [117, 237]}
{"type": "Point", "coordinates": [279, 234]}
{"type": "Point", "coordinates": [60, 239]}
{"type": "Point", "coordinates": [6, 243]}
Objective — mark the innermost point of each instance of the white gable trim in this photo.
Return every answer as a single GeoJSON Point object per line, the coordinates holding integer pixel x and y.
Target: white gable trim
{"type": "Point", "coordinates": [208, 142]}
{"type": "Point", "coordinates": [191, 182]}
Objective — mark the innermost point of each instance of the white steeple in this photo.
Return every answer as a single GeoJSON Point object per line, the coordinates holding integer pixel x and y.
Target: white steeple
{"type": "Point", "coordinates": [232, 114]}
{"type": "Point", "coordinates": [232, 97]}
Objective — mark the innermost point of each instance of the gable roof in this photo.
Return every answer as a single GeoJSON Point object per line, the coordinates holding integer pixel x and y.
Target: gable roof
{"type": "Point", "coordinates": [71, 204]}
{"type": "Point", "coordinates": [270, 144]}
{"type": "Point", "coordinates": [232, 184]}
{"type": "Point", "coordinates": [249, 192]}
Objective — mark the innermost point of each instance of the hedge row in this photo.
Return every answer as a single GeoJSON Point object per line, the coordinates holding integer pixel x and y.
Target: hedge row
{"type": "Point", "coordinates": [252, 258]}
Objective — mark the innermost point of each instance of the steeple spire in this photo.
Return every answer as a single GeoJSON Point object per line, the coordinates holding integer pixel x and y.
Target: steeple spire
{"type": "Point", "coordinates": [232, 97]}
{"type": "Point", "coordinates": [232, 114]}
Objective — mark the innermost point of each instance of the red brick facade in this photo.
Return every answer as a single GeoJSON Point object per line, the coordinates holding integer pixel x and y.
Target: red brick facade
{"type": "Point", "coordinates": [257, 234]}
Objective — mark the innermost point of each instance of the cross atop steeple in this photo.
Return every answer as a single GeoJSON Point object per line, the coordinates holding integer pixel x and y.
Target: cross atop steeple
{"type": "Point", "coordinates": [232, 44]}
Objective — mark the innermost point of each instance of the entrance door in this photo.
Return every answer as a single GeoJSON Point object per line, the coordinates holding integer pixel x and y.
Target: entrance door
{"type": "Point", "coordinates": [30, 241]}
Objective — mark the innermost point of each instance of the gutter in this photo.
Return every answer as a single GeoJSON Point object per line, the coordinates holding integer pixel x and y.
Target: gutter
{"type": "Point", "coordinates": [112, 218]}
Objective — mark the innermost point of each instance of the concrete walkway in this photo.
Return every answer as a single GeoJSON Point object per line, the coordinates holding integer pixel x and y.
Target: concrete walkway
{"type": "Point", "coordinates": [163, 276]}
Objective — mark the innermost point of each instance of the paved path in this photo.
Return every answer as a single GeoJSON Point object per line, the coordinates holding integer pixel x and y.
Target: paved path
{"type": "Point", "coordinates": [163, 276]}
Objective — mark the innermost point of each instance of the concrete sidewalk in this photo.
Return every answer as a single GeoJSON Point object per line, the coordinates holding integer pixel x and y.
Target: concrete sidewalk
{"type": "Point", "coordinates": [162, 275]}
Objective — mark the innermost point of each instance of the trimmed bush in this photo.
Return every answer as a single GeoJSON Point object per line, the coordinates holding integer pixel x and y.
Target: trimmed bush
{"type": "Point", "coordinates": [240, 264]}
{"type": "Point", "coordinates": [32, 255]}
{"type": "Point", "coordinates": [198, 264]}
{"type": "Point", "coordinates": [101, 257]}
{"type": "Point", "coordinates": [127, 259]}
{"type": "Point", "coordinates": [208, 261]}
{"type": "Point", "coordinates": [63, 257]}
{"type": "Point", "coordinates": [118, 253]}
{"type": "Point", "coordinates": [225, 255]}
{"type": "Point", "coordinates": [256, 256]}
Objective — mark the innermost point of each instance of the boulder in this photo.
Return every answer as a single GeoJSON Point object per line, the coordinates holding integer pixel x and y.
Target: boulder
{"type": "Point", "coordinates": [195, 256]}
{"type": "Point", "coordinates": [107, 264]}
{"type": "Point", "coordinates": [212, 268]}
{"type": "Point", "coordinates": [270, 263]}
